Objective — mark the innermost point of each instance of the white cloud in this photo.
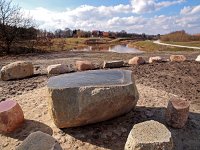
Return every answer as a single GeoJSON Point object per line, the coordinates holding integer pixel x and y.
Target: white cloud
{"type": "Point", "coordinates": [120, 17]}
{"type": "Point", "coordinates": [144, 6]}
{"type": "Point", "coordinates": [190, 10]}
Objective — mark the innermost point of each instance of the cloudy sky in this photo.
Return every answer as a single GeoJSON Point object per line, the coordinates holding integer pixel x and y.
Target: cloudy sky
{"type": "Point", "coordinates": [138, 16]}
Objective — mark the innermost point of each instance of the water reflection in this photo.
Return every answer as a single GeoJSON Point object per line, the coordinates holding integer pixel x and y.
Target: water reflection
{"type": "Point", "coordinates": [116, 48]}
{"type": "Point", "coordinates": [124, 49]}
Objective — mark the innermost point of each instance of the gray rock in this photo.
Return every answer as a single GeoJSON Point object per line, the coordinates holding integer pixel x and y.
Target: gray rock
{"type": "Point", "coordinates": [88, 97]}
{"type": "Point", "coordinates": [17, 70]}
{"type": "Point", "coordinates": [39, 141]}
{"type": "Point", "coordinates": [113, 64]}
{"type": "Point", "coordinates": [59, 69]}
{"type": "Point", "coordinates": [149, 135]}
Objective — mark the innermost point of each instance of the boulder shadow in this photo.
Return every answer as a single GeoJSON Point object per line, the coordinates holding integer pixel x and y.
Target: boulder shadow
{"type": "Point", "coordinates": [112, 134]}
{"type": "Point", "coordinates": [28, 127]}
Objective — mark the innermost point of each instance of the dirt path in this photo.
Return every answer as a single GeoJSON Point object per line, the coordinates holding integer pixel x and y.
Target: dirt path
{"type": "Point", "coordinates": [190, 47]}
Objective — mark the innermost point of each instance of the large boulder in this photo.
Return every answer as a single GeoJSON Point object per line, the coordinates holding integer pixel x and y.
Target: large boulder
{"type": "Point", "coordinates": [113, 64]}
{"type": "Point", "coordinates": [156, 59]}
{"type": "Point", "coordinates": [84, 65]}
{"type": "Point", "coordinates": [198, 58]}
{"type": "Point", "coordinates": [177, 113]}
{"type": "Point", "coordinates": [39, 141]}
{"type": "Point", "coordinates": [149, 135]}
{"type": "Point", "coordinates": [17, 70]}
{"type": "Point", "coordinates": [59, 69]}
{"type": "Point", "coordinates": [11, 116]}
{"type": "Point", "coordinates": [177, 58]}
{"type": "Point", "coordinates": [136, 61]}
{"type": "Point", "coordinates": [88, 97]}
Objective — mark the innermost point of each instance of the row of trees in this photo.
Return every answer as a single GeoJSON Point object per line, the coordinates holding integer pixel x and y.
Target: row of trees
{"type": "Point", "coordinates": [180, 36]}
{"type": "Point", "coordinates": [14, 26]}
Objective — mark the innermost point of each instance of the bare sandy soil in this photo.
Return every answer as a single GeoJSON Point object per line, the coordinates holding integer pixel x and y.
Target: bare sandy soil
{"type": "Point", "coordinates": [156, 84]}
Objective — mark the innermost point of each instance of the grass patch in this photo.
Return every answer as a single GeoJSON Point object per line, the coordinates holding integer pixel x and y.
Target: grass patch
{"type": "Point", "coordinates": [149, 46]}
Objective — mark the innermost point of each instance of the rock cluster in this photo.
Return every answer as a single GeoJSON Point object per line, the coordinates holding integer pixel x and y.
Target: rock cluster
{"type": "Point", "coordinates": [149, 135]}
{"type": "Point", "coordinates": [11, 116]}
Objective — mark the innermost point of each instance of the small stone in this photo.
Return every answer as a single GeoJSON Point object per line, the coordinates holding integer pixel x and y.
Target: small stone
{"type": "Point", "coordinates": [117, 132]}
{"type": "Point", "coordinates": [156, 59]}
{"type": "Point", "coordinates": [149, 135]}
{"type": "Point", "coordinates": [113, 64]}
{"type": "Point", "coordinates": [177, 113]}
{"type": "Point", "coordinates": [136, 61]}
{"type": "Point", "coordinates": [81, 135]}
{"type": "Point", "coordinates": [124, 130]}
{"type": "Point", "coordinates": [39, 141]}
{"type": "Point", "coordinates": [5, 144]}
{"type": "Point", "coordinates": [149, 113]}
{"type": "Point", "coordinates": [11, 116]}
{"type": "Point", "coordinates": [177, 58]}
{"type": "Point", "coordinates": [198, 58]}
{"type": "Point", "coordinates": [109, 133]}
{"type": "Point", "coordinates": [103, 136]}
{"type": "Point", "coordinates": [84, 65]}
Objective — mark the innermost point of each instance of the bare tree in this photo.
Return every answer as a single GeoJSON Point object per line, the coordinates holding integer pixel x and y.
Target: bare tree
{"type": "Point", "coordinates": [12, 20]}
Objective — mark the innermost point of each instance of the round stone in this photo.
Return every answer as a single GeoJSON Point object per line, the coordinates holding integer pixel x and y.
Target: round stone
{"type": "Point", "coordinates": [149, 135]}
{"type": "Point", "coordinates": [88, 97]}
{"type": "Point", "coordinates": [136, 61]}
{"type": "Point", "coordinates": [177, 58]}
{"type": "Point", "coordinates": [11, 116]}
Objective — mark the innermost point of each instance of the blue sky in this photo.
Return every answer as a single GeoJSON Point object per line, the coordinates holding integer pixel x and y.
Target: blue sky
{"type": "Point", "coordinates": [149, 16]}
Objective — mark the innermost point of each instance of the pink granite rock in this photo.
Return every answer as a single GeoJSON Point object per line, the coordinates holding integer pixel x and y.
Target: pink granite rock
{"type": "Point", "coordinates": [136, 61]}
{"type": "Point", "coordinates": [11, 116]}
{"type": "Point", "coordinates": [84, 65]}
{"type": "Point", "coordinates": [177, 58]}
{"type": "Point", "coordinates": [177, 113]}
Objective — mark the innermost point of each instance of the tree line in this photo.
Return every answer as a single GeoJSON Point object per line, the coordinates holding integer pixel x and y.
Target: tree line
{"type": "Point", "coordinates": [14, 26]}
{"type": "Point", "coordinates": [180, 36]}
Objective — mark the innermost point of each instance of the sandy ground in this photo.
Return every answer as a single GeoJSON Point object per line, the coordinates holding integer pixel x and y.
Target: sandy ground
{"type": "Point", "coordinates": [156, 84]}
